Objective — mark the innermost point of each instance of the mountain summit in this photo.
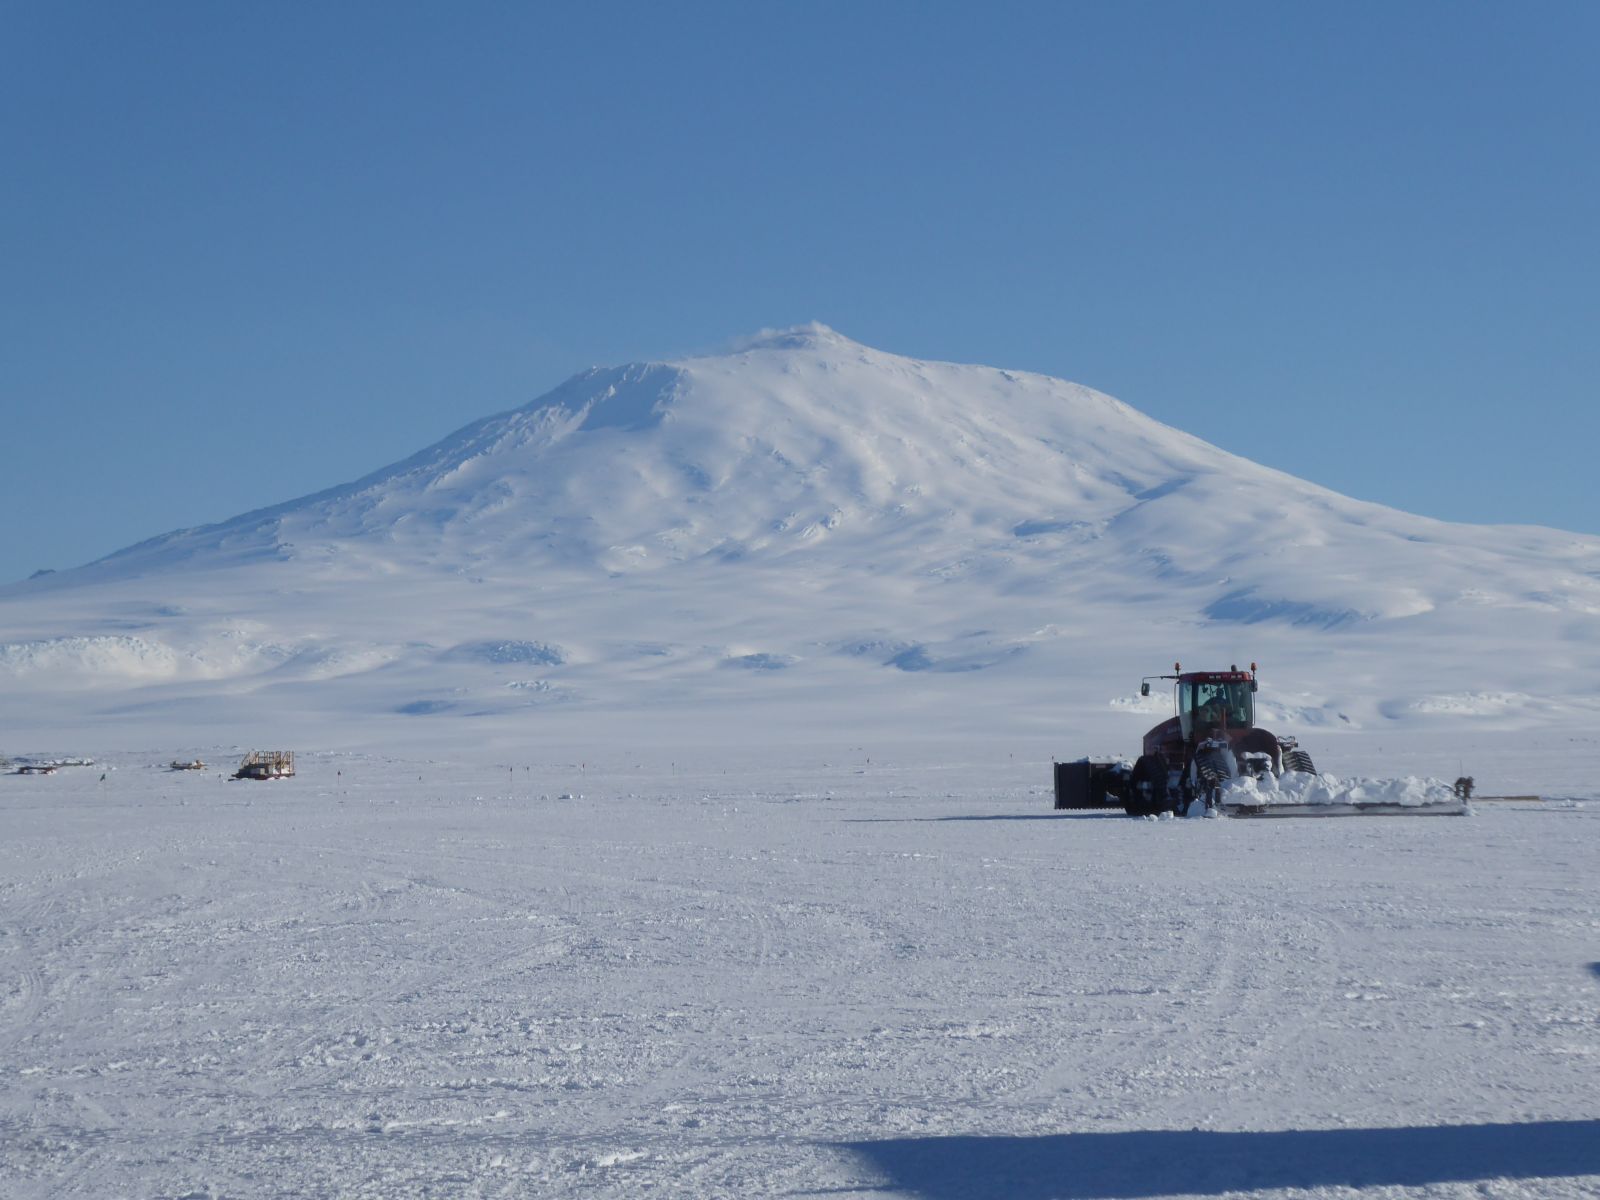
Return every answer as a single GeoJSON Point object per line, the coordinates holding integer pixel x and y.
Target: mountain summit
{"type": "Point", "coordinates": [799, 436]}
{"type": "Point", "coordinates": [811, 512]}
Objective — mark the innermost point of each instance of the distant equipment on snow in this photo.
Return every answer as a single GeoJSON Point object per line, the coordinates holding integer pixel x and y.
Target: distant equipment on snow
{"type": "Point", "coordinates": [47, 766]}
{"type": "Point", "coordinates": [193, 764]}
{"type": "Point", "coordinates": [266, 764]}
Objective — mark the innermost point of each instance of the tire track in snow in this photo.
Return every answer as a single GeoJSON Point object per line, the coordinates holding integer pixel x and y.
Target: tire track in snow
{"type": "Point", "coordinates": [710, 1031]}
{"type": "Point", "coordinates": [614, 883]}
{"type": "Point", "coordinates": [30, 987]}
{"type": "Point", "coordinates": [1371, 1018]}
{"type": "Point", "coordinates": [74, 1149]}
{"type": "Point", "coordinates": [1211, 1004]}
{"type": "Point", "coordinates": [446, 1061]}
{"type": "Point", "coordinates": [374, 1011]}
{"type": "Point", "coordinates": [1166, 1028]}
{"type": "Point", "coordinates": [360, 1021]}
{"type": "Point", "coordinates": [30, 980]}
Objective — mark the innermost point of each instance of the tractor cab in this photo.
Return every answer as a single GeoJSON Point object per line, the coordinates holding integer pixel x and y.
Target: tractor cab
{"type": "Point", "coordinates": [1211, 703]}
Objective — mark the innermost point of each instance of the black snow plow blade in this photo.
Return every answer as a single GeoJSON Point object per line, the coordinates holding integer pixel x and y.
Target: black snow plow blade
{"type": "Point", "coordinates": [1085, 784]}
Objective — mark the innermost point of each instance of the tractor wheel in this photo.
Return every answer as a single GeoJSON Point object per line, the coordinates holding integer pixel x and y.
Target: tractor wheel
{"type": "Point", "coordinates": [1298, 760]}
{"type": "Point", "coordinates": [1211, 771]}
{"type": "Point", "coordinates": [1147, 787]}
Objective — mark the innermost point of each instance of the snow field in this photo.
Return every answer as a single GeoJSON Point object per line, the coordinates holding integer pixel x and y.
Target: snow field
{"type": "Point", "coordinates": [779, 972]}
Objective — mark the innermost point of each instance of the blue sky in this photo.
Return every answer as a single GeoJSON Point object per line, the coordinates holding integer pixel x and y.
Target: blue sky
{"type": "Point", "coordinates": [250, 251]}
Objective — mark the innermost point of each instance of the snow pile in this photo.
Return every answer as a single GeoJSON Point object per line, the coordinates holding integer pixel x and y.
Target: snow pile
{"type": "Point", "coordinates": [1299, 787]}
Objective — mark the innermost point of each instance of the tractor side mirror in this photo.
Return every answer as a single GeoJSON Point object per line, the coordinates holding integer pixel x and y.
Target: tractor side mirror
{"type": "Point", "coordinates": [1252, 685]}
{"type": "Point", "coordinates": [1144, 688]}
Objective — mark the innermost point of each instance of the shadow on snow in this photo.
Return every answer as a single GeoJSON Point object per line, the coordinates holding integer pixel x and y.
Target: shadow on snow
{"type": "Point", "coordinates": [1127, 1166]}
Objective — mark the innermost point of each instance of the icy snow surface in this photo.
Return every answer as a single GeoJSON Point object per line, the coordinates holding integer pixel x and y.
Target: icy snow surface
{"type": "Point", "coordinates": [800, 973]}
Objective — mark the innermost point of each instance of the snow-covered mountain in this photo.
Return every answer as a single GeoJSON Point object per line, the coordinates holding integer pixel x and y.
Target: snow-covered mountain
{"type": "Point", "coordinates": [810, 531]}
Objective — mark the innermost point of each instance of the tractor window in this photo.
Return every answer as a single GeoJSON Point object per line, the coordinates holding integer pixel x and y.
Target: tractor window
{"type": "Point", "coordinates": [1209, 708]}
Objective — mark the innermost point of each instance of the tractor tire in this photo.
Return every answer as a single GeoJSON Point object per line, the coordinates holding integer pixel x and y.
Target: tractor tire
{"type": "Point", "coordinates": [1212, 770]}
{"type": "Point", "coordinates": [1150, 800]}
{"type": "Point", "coordinates": [1298, 760]}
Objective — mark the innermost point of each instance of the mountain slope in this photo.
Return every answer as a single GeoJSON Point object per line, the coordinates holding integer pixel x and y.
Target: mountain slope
{"type": "Point", "coordinates": [798, 518]}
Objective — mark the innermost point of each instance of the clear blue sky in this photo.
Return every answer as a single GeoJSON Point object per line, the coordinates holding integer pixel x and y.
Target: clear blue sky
{"type": "Point", "coordinates": [252, 250]}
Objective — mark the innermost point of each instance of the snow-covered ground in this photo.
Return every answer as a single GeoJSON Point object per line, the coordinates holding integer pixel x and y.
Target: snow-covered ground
{"type": "Point", "coordinates": [863, 970]}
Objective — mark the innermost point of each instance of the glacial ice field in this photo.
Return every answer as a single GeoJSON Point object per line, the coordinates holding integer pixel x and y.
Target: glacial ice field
{"type": "Point", "coordinates": [855, 971]}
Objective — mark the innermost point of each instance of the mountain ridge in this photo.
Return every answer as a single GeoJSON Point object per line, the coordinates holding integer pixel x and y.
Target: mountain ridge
{"type": "Point", "coordinates": [637, 397]}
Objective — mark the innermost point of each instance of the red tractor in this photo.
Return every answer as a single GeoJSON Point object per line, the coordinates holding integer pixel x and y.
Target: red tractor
{"type": "Point", "coordinates": [1188, 757]}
